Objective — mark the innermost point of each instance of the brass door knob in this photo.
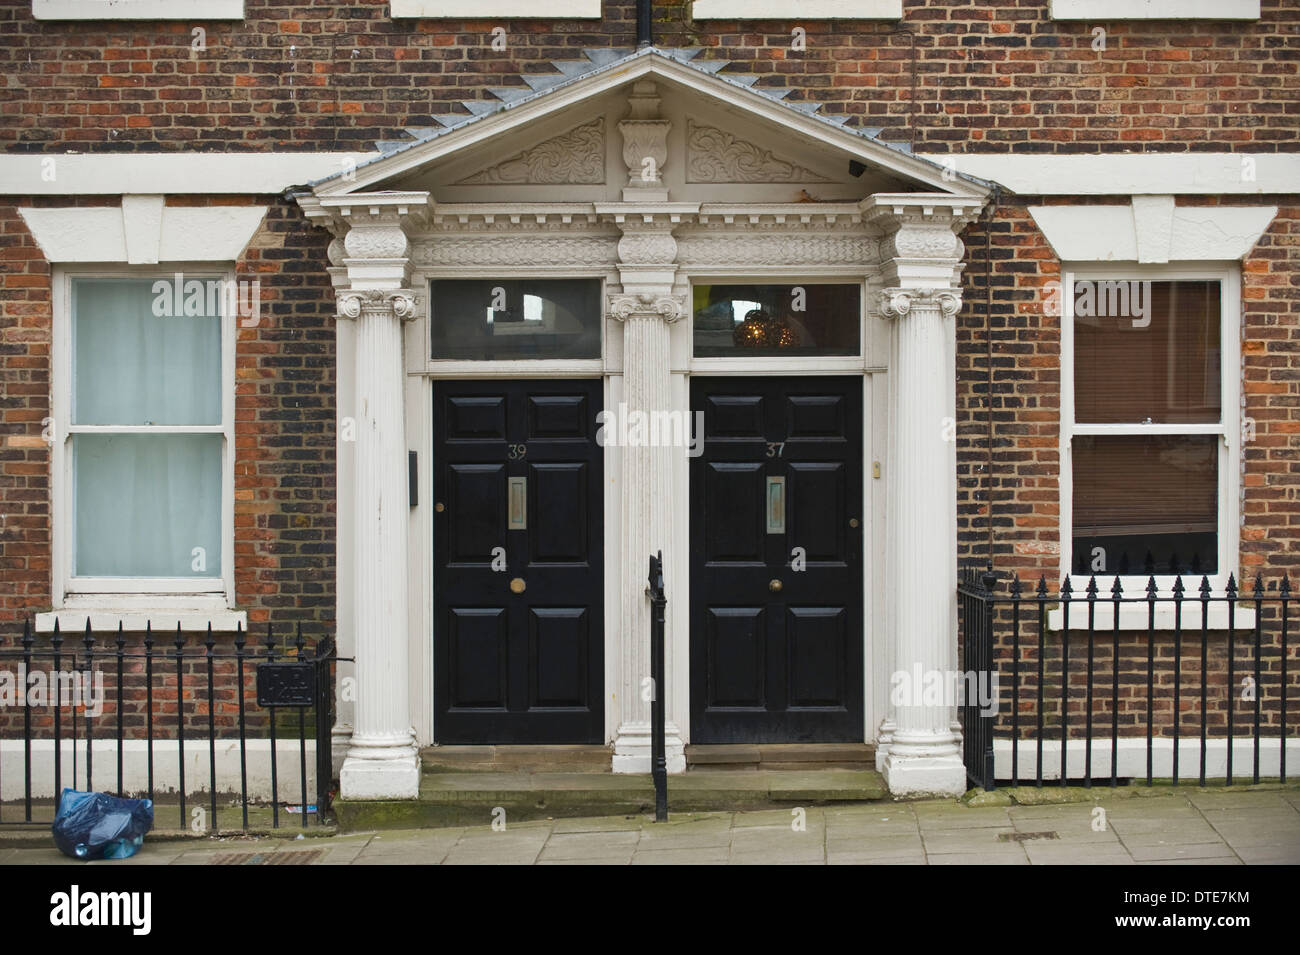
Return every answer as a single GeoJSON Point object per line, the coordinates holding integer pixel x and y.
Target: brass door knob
{"type": "Point", "coordinates": [774, 585]}
{"type": "Point", "coordinates": [853, 522]}
{"type": "Point", "coordinates": [439, 507]}
{"type": "Point", "coordinates": [517, 586]}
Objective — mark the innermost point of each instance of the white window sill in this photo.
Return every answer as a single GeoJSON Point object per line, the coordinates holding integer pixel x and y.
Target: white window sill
{"type": "Point", "coordinates": [138, 9]}
{"type": "Point", "coordinates": [794, 12]}
{"type": "Point", "coordinates": [1155, 9]}
{"type": "Point", "coordinates": [160, 613]}
{"type": "Point", "coordinates": [1133, 616]}
{"type": "Point", "coordinates": [482, 9]}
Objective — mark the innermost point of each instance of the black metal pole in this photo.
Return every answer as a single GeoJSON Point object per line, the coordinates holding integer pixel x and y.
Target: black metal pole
{"type": "Point", "coordinates": [658, 761]}
{"type": "Point", "coordinates": [644, 31]}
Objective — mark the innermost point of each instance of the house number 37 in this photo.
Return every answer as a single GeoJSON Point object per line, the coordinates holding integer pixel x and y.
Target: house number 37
{"type": "Point", "coordinates": [516, 451]}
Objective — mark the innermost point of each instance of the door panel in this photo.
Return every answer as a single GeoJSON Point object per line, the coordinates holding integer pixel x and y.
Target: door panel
{"type": "Point", "coordinates": [776, 653]}
{"type": "Point", "coordinates": [526, 666]}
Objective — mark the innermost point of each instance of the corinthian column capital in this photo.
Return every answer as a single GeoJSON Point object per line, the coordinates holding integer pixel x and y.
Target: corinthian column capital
{"type": "Point", "coordinates": [897, 302]}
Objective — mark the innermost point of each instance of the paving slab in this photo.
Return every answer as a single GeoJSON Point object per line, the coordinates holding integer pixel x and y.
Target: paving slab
{"type": "Point", "coordinates": [976, 858]}
{"type": "Point", "coordinates": [1209, 850]}
{"type": "Point", "coordinates": [779, 856]}
{"type": "Point", "coordinates": [588, 845]}
{"type": "Point", "coordinates": [680, 856]}
{"type": "Point", "coordinates": [1046, 853]}
{"type": "Point", "coordinates": [1248, 800]}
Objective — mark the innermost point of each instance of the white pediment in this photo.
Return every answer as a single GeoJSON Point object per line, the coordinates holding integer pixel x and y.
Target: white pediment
{"type": "Point", "coordinates": [562, 139]}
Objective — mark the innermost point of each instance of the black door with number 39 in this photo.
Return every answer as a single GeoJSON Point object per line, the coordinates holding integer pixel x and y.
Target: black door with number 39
{"type": "Point", "coordinates": [518, 576]}
{"type": "Point", "coordinates": [776, 561]}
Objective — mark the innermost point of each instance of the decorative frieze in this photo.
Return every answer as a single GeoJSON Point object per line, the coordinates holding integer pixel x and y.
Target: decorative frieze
{"type": "Point", "coordinates": [575, 157]}
{"type": "Point", "coordinates": [513, 251]}
{"type": "Point", "coordinates": [775, 249]}
{"type": "Point", "coordinates": [715, 155]}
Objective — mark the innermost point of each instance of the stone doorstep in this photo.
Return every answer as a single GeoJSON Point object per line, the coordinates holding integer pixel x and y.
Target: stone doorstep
{"type": "Point", "coordinates": [469, 799]}
{"type": "Point", "coordinates": [465, 759]}
{"type": "Point", "coordinates": [781, 756]}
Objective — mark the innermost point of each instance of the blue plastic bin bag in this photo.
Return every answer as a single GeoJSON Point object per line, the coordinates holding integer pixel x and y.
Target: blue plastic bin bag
{"type": "Point", "coordinates": [100, 826]}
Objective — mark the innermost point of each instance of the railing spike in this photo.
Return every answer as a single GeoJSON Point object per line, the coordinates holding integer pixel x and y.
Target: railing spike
{"type": "Point", "coordinates": [1066, 588]}
{"type": "Point", "coordinates": [1179, 590]}
{"type": "Point", "coordinates": [1091, 590]}
{"type": "Point", "coordinates": [1205, 587]}
{"type": "Point", "coordinates": [1015, 586]}
{"type": "Point", "coordinates": [1116, 590]}
{"type": "Point", "coordinates": [1284, 589]}
{"type": "Point", "coordinates": [1041, 592]}
{"type": "Point", "coordinates": [1259, 585]}
{"type": "Point", "coordinates": [1152, 589]}
{"type": "Point", "coordinates": [1231, 590]}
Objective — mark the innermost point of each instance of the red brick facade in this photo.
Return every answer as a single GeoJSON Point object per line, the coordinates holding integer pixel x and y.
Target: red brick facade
{"type": "Point", "coordinates": [951, 77]}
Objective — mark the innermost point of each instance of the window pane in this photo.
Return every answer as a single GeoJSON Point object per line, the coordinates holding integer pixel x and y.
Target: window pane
{"type": "Point", "coordinates": [529, 318]}
{"type": "Point", "coordinates": [1146, 504]}
{"type": "Point", "coordinates": [145, 502]}
{"type": "Point", "coordinates": [133, 366]}
{"type": "Point", "coordinates": [1146, 350]}
{"type": "Point", "coordinates": [737, 320]}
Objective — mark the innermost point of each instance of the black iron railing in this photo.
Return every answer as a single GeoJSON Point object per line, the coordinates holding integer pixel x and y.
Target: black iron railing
{"type": "Point", "coordinates": [1132, 686]}
{"type": "Point", "coordinates": [75, 698]}
{"type": "Point", "coordinates": [658, 758]}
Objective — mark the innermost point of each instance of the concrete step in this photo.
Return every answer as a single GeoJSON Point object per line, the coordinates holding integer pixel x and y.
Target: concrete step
{"type": "Point", "coordinates": [516, 759]}
{"type": "Point", "coordinates": [858, 756]}
{"type": "Point", "coordinates": [469, 798]}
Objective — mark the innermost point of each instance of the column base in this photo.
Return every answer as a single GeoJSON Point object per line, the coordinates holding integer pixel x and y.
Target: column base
{"type": "Point", "coordinates": [380, 778]}
{"type": "Point", "coordinates": [340, 743]}
{"type": "Point", "coordinates": [924, 775]}
{"type": "Point", "coordinates": [632, 749]}
{"type": "Point", "coordinates": [884, 741]}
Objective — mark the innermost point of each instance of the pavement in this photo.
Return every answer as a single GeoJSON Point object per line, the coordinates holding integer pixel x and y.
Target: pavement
{"type": "Point", "coordinates": [1186, 828]}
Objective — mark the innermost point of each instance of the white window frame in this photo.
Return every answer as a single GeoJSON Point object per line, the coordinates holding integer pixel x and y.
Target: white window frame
{"type": "Point", "coordinates": [107, 593]}
{"type": "Point", "coordinates": [138, 9]}
{"type": "Point", "coordinates": [1155, 9]}
{"type": "Point", "coordinates": [1133, 616]}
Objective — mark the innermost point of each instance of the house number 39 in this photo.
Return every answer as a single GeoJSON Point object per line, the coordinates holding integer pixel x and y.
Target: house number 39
{"type": "Point", "coordinates": [516, 451]}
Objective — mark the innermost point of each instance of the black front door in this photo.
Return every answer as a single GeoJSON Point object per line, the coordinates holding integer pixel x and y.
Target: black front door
{"type": "Point", "coordinates": [776, 561]}
{"type": "Point", "coordinates": [518, 584]}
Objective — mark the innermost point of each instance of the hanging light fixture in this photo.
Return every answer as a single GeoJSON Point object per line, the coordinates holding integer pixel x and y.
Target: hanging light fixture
{"type": "Point", "coordinates": [761, 330]}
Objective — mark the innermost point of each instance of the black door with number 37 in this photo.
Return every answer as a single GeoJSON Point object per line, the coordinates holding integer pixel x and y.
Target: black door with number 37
{"type": "Point", "coordinates": [776, 561]}
{"type": "Point", "coordinates": [518, 576]}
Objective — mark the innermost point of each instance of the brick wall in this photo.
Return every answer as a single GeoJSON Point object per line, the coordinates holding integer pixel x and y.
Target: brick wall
{"type": "Point", "coordinates": [966, 77]}
{"type": "Point", "coordinates": [323, 75]}
{"type": "Point", "coordinates": [284, 422]}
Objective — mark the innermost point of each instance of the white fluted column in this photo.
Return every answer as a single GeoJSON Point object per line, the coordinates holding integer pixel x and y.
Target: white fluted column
{"type": "Point", "coordinates": [382, 760]}
{"type": "Point", "coordinates": [923, 753]}
{"type": "Point", "coordinates": [647, 503]}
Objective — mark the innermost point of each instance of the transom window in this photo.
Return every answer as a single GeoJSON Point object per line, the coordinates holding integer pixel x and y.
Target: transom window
{"type": "Point", "coordinates": [772, 320]}
{"type": "Point", "coordinates": [494, 319]}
